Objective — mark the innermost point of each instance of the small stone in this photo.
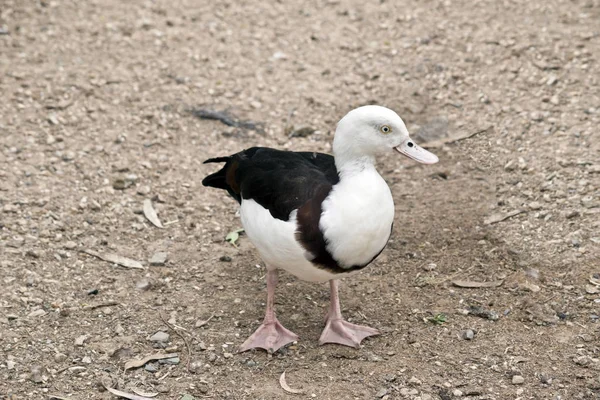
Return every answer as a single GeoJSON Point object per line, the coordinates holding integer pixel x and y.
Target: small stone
{"type": "Point", "coordinates": [555, 100]}
{"type": "Point", "coordinates": [36, 374]}
{"type": "Point", "coordinates": [143, 190]}
{"type": "Point", "coordinates": [201, 346]}
{"type": "Point", "coordinates": [552, 79]}
{"type": "Point", "coordinates": [510, 166]}
{"type": "Point", "coordinates": [80, 340]}
{"type": "Point", "coordinates": [160, 336]}
{"type": "Point", "coordinates": [60, 357]}
{"type": "Point", "coordinates": [404, 392]}
{"type": "Point", "coordinates": [158, 258]}
{"type": "Point", "coordinates": [151, 367]}
{"type": "Point", "coordinates": [53, 119]}
{"type": "Point", "coordinates": [33, 253]}
{"type": "Point", "coordinates": [582, 360]}
{"type": "Point", "coordinates": [426, 396]}
{"type": "Point", "coordinates": [70, 245]}
{"type": "Point", "coordinates": [37, 313]}
{"type": "Point", "coordinates": [545, 379]}
{"type": "Point", "coordinates": [86, 360]}
{"type": "Point", "coordinates": [163, 389]}
{"type": "Point", "coordinates": [227, 355]}
{"type": "Point", "coordinates": [68, 156]}
{"type": "Point", "coordinates": [382, 392]}
{"type": "Point", "coordinates": [187, 397]}
{"type": "Point", "coordinates": [534, 205]}
{"type": "Point", "coordinates": [457, 393]}
{"type": "Point", "coordinates": [251, 363]}
{"type": "Point", "coordinates": [414, 381]}
{"type": "Point", "coordinates": [10, 364]}
{"type": "Point", "coordinates": [430, 267]}
{"type": "Point", "coordinates": [169, 361]}
{"type": "Point", "coordinates": [468, 334]}
{"type": "Point", "coordinates": [572, 214]}
{"type": "Point", "coordinates": [518, 380]}
{"type": "Point", "coordinates": [212, 357]}
{"type": "Point", "coordinates": [143, 284]}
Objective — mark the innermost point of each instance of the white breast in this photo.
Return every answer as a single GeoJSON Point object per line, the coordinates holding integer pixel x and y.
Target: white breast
{"type": "Point", "coordinates": [357, 218]}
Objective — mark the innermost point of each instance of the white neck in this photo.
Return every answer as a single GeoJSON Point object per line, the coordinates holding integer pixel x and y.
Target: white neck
{"type": "Point", "coordinates": [349, 166]}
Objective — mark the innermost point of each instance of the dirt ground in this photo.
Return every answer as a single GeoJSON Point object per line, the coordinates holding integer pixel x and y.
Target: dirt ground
{"type": "Point", "coordinates": [95, 100]}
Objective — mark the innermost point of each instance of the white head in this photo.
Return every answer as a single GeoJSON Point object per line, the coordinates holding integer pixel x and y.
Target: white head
{"type": "Point", "coordinates": [369, 130]}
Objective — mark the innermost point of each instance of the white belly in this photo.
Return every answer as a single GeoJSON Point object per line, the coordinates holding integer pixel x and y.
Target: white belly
{"type": "Point", "coordinates": [276, 243]}
{"type": "Point", "coordinates": [357, 218]}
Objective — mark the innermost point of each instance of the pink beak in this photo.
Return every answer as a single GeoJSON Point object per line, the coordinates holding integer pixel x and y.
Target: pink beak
{"type": "Point", "coordinates": [417, 153]}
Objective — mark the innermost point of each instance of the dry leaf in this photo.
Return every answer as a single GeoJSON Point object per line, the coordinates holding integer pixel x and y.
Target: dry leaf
{"type": "Point", "coordinates": [126, 395]}
{"type": "Point", "coordinates": [591, 289]}
{"type": "Point", "coordinates": [594, 281]}
{"type": "Point", "coordinates": [115, 259]}
{"type": "Point", "coordinates": [144, 394]}
{"type": "Point", "coordinates": [493, 219]}
{"type": "Point", "coordinates": [285, 386]}
{"type": "Point", "coordinates": [140, 363]}
{"type": "Point", "coordinates": [471, 284]}
{"type": "Point", "coordinates": [150, 213]}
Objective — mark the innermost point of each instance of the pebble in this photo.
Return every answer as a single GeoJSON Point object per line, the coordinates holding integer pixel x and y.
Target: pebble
{"type": "Point", "coordinates": [86, 360]}
{"type": "Point", "coordinates": [518, 380]}
{"type": "Point", "coordinates": [158, 258]}
{"type": "Point", "coordinates": [163, 389]}
{"type": "Point", "coordinates": [10, 364]}
{"type": "Point", "coordinates": [37, 313]}
{"type": "Point", "coordinates": [80, 340]}
{"type": "Point", "coordinates": [160, 336]}
{"type": "Point", "coordinates": [36, 374]}
{"type": "Point", "coordinates": [227, 355]}
{"type": "Point", "coordinates": [169, 361]}
{"type": "Point", "coordinates": [151, 367]}
{"type": "Point", "coordinates": [534, 205]}
{"type": "Point", "coordinates": [60, 357]}
{"type": "Point", "coordinates": [457, 393]}
{"type": "Point", "coordinates": [143, 284]}
{"type": "Point", "coordinates": [468, 334]}
{"type": "Point", "coordinates": [251, 363]}
{"type": "Point", "coordinates": [414, 381]}
{"type": "Point", "coordinates": [70, 245]}
{"type": "Point", "coordinates": [572, 214]}
{"type": "Point", "coordinates": [33, 253]}
{"type": "Point", "coordinates": [382, 392]}
{"type": "Point", "coordinates": [201, 346]}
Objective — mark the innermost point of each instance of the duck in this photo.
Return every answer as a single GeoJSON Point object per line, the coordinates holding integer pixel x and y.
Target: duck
{"type": "Point", "coordinates": [319, 217]}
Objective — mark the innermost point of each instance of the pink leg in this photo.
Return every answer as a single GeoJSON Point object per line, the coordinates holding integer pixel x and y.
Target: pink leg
{"type": "Point", "coordinates": [271, 335]}
{"type": "Point", "coordinates": [339, 331]}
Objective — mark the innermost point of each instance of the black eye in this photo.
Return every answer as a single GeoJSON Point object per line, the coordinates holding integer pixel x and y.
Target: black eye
{"type": "Point", "coordinates": [410, 144]}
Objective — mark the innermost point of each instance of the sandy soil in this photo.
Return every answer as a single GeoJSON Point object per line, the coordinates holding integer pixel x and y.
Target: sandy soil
{"type": "Point", "coordinates": [94, 119]}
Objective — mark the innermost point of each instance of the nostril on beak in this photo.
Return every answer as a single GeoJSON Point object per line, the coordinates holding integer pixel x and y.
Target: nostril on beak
{"type": "Point", "coordinates": [410, 144]}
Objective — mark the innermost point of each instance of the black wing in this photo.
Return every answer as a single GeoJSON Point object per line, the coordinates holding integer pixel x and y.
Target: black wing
{"type": "Point", "coordinates": [280, 181]}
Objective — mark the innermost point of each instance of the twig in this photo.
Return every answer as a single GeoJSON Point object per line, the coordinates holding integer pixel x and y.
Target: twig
{"type": "Point", "coordinates": [439, 143]}
{"type": "Point", "coordinates": [107, 304]}
{"type": "Point", "coordinates": [494, 219]}
{"type": "Point", "coordinates": [187, 345]}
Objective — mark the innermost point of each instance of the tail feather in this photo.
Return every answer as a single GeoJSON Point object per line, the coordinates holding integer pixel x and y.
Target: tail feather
{"type": "Point", "coordinates": [219, 179]}
{"type": "Point", "coordinates": [217, 160]}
